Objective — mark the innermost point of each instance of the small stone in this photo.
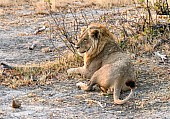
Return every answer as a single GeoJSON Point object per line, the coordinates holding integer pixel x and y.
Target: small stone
{"type": "Point", "coordinates": [45, 50]}
{"type": "Point", "coordinates": [32, 46]}
{"type": "Point", "coordinates": [16, 103]}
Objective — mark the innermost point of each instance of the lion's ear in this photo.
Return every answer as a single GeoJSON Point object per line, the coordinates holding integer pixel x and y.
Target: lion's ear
{"type": "Point", "coordinates": [95, 33]}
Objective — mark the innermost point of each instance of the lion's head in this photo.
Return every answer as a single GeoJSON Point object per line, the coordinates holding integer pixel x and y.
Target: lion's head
{"type": "Point", "coordinates": [93, 39]}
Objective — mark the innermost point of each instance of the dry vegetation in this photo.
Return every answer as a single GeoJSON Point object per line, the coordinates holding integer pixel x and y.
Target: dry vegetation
{"type": "Point", "coordinates": [44, 73]}
{"type": "Point", "coordinates": [56, 3]}
{"type": "Point", "coordinates": [11, 2]}
{"type": "Point", "coordinates": [139, 32]}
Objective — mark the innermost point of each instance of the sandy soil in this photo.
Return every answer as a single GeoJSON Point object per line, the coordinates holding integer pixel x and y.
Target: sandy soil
{"type": "Point", "coordinates": [61, 99]}
{"type": "Point", "coordinates": [17, 29]}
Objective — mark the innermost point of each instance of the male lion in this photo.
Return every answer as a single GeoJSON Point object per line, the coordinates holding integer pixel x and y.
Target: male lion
{"type": "Point", "coordinates": [104, 63]}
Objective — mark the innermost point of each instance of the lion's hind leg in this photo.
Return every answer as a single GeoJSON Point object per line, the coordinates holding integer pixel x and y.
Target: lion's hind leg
{"type": "Point", "coordinates": [104, 90]}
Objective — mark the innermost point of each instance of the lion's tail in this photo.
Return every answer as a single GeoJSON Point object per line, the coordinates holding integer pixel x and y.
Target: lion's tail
{"type": "Point", "coordinates": [130, 84]}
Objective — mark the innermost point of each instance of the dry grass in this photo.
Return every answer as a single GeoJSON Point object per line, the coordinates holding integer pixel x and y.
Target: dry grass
{"type": "Point", "coordinates": [138, 44]}
{"type": "Point", "coordinates": [102, 3]}
{"type": "Point", "coordinates": [40, 74]}
{"type": "Point", "coordinates": [40, 5]}
{"type": "Point", "coordinates": [110, 3]}
{"type": "Point", "coordinates": [11, 2]}
{"type": "Point", "coordinates": [2, 11]}
{"type": "Point", "coordinates": [152, 2]}
{"type": "Point", "coordinates": [6, 3]}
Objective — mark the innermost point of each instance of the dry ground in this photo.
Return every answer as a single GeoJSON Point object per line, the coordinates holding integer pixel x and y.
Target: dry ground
{"type": "Point", "coordinates": [58, 97]}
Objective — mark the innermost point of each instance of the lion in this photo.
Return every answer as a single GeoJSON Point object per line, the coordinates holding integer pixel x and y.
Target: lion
{"type": "Point", "coordinates": [105, 64]}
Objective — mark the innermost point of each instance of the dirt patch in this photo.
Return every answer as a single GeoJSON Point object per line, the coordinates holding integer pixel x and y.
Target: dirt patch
{"type": "Point", "coordinates": [17, 35]}
{"type": "Point", "coordinates": [63, 100]}
{"type": "Point", "coordinates": [60, 98]}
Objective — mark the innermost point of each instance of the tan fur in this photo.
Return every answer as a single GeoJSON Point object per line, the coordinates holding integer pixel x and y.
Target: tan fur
{"type": "Point", "coordinates": [104, 62]}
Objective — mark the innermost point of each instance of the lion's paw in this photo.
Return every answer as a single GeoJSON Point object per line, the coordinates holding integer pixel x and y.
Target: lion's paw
{"type": "Point", "coordinates": [71, 70]}
{"type": "Point", "coordinates": [80, 85]}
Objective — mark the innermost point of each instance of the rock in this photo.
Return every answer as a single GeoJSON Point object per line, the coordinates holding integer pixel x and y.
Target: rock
{"type": "Point", "coordinates": [16, 103]}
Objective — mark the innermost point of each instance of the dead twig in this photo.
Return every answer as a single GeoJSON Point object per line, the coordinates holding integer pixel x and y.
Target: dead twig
{"type": "Point", "coordinates": [94, 101]}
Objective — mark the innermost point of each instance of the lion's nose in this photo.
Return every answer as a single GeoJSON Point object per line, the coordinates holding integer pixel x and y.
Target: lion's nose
{"type": "Point", "coordinates": [77, 47]}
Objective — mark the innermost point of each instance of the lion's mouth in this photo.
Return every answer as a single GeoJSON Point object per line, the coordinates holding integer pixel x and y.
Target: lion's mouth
{"type": "Point", "coordinates": [81, 52]}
